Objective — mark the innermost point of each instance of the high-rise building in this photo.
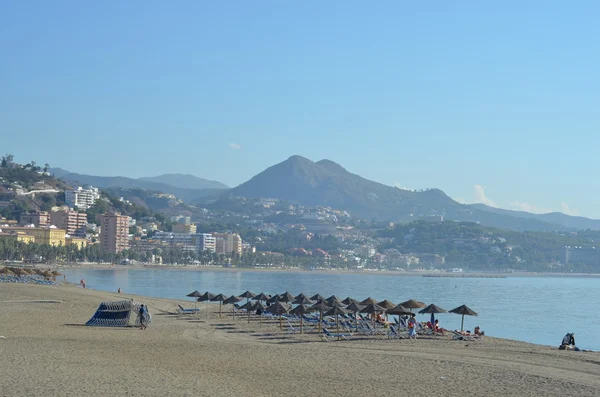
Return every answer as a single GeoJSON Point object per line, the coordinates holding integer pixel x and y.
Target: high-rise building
{"type": "Point", "coordinates": [82, 198]}
{"type": "Point", "coordinates": [205, 242]}
{"type": "Point", "coordinates": [114, 232]}
{"type": "Point", "coordinates": [228, 243]}
{"type": "Point", "coordinates": [75, 223]}
{"type": "Point", "coordinates": [35, 218]}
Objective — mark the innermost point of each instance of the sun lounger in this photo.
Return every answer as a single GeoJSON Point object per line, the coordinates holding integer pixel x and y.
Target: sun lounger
{"type": "Point", "coordinates": [329, 336]}
{"type": "Point", "coordinates": [183, 310]}
{"type": "Point", "coordinates": [458, 336]}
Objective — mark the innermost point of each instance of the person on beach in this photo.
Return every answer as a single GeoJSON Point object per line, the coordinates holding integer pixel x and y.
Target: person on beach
{"type": "Point", "coordinates": [437, 327]}
{"type": "Point", "coordinates": [142, 316]}
{"type": "Point", "coordinates": [119, 290]}
{"type": "Point", "coordinates": [82, 282]}
{"type": "Point", "coordinates": [412, 328]}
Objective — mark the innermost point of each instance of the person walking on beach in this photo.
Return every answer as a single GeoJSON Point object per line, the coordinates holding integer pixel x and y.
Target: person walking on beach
{"type": "Point", "coordinates": [119, 290]}
{"type": "Point", "coordinates": [82, 283]}
{"type": "Point", "coordinates": [143, 316]}
{"type": "Point", "coordinates": [412, 328]}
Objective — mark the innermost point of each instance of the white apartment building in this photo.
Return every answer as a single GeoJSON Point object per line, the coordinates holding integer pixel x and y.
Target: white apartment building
{"type": "Point", "coordinates": [205, 242]}
{"type": "Point", "coordinates": [82, 198]}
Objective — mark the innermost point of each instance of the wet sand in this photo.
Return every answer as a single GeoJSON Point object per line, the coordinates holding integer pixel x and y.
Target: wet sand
{"type": "Point", "coordinates": [47, 351]}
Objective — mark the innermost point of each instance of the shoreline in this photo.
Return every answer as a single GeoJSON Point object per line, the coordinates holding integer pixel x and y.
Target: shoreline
{"type": "Point", "coordinates": [211, 356]}
{"type": "Point", "coordinates": [201, 268]}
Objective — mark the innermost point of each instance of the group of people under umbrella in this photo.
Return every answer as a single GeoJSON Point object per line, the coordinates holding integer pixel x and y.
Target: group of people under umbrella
{"type": "Point", "coordinates": [300, 305]}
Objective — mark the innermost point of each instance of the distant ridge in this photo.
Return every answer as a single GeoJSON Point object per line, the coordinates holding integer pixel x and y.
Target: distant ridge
{"type": "Point", "coordinates": [185, 181]}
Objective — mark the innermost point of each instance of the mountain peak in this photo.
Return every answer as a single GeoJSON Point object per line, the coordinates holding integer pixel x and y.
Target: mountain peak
{"type": "Point", "coordinates": [331, 165]}
{"type": "Point", "coordinates": [299, 159]}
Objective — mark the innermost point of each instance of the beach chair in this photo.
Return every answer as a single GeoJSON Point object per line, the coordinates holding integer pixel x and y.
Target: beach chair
{"type": "Point", "coordinates": [327, 336]}
{"type": "Point", "coordinates": [291, 329]}
{"type": "Point", "coordinates": [183, 310]}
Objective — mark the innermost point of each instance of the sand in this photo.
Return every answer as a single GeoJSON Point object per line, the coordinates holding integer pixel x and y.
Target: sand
{"type": "Point", "coordinates": [48, 352]}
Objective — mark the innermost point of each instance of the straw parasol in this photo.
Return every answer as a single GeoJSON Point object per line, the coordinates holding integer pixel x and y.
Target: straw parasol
{"type": "Point", "coordinates": [279, 308]}
{"type": "Point", "coordinates": [46, 274]}
{"type": "Point", "coordinates": [258, 306]}
{"type": "Point", "coordinates": [372, 309]}
{"type": "Point", "coordinates": [334, 301]}
{"type": "Point", "coordinates": [274, 299]}
{"type": "Point", "coordinates": [336, 311]}
{"type": "Point", "coordinates": [286, 297]}
{"type": "Point", "coordinates": [301, 296]}
{"type": "Point", "coordinates": [196, 294]}
{"type": "Point", "coordinates": [302, 300]}
{"type": "Point", "coordinates": [232, 300]}
{"type": "Point", "coordinates": [432, 309]}
{"type": "Point", "coordinates": [387, 304]}
{"type": "Point", "coordinates": [413, 304]}
{"type": "Point", "coordinates": [355, 307]}
{"type": "Point", "coordinates": [248, 307]}
{"type": "Point", "coordinates": [247, 295]}
{"type": "Point", "coordinates": [349, 301]}
{"type": "Point", "coordinates": [205, 297]}
{"type": "Point", "coordinates": [320, 306]}
{"type": "Point", "coordinates": [219, 298]}
{"type": "Point", "coordinates": [369, 301]}
{"type": "Point", "coordinates": [316, 297]}
{"type": "Point", "coordinates": [300, 311]}
{"type": "Point", "coordinates": [463, 310]}
{"type": "Point", "coordinates": [6, 270]}
{"type": "Point", "coordinates": [399, 310]}
{"type": "Point", "coordinates": [261, 297]}
{"type": "Point", "coordinates": [54, 272]}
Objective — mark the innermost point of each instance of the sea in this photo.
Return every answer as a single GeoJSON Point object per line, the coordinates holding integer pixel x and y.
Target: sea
{"type": "Point", "coordinates": [539, 310]}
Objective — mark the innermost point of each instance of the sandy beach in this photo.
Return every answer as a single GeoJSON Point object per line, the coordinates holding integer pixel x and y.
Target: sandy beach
{"type": "Point", "coordinates": [46, 351]}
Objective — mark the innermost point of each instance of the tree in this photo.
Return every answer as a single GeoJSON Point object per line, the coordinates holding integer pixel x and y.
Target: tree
{"type": "Point", "coordinates": [7, 160]}
{"type": "Point", "coordinates": [46, 167]}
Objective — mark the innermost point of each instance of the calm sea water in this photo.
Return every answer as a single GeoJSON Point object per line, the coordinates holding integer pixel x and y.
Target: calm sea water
{"type": "Point", "coordinates": [533, 309]}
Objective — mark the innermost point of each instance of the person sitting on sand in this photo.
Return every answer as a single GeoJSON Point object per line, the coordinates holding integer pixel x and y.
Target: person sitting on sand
{"type": "Point", "coordinates": [437, 327]}
{"type": "Point", "coordinates": [477, 331]}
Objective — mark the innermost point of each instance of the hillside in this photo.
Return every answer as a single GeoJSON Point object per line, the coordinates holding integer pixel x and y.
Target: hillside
{"type": "Point", "coordinates": [568, 221]}
{"type": "Point", "coordinates": [186, 194]}
{"type": "Point", "coordinates": [185, 181]}
{"type": "Point", "coordinates": [327, 183]}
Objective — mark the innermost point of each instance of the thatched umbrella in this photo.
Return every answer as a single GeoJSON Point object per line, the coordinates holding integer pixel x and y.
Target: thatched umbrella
{"type": "Point", "coordinates": [301, 296]}
{"type": "Point", "coordinates": [300, 311]}
{"type": "Point", "coordinates": [432, 309]}
{"type": "Point", "coordinates": [262, 297]}
{"type": "Point", "coordinates": [205, 297]}
{"type": "Point", "coordinates": [334, 301]}
{"type": "Point", "coordinates": [219, 298]}
{"type": "Point", "coordinates": [303, 300]}
{"type": "Point", "coordinates": [279, 308]}
{"type": "Point", "coordinates": [196, 294]}
{"type": "Point", "coordinates": [54, 272]}
{"type": "Point", "coordinates": [6, 270]}
{"type": "Point", "coordinates": [248, 295]}
{"type": "Point", "coordinates": [46, 274]}
{"type": "Point", "coordinates": [355, 307]}
{"type": "Point", "coordinates": [320, 306]}
{"type": "Point", "coordinates": [286, 297]}
{"type": "Point", "coordinates": [232, 300]}
{"type": "Point", "coordinates": [258, 306]}
{"type": "Point", "coordinates": [413, 304]}
{"type": "Point", "coordinates": [463, 310]}
{"type": "Point", "coordinates": [248, 307]}
{"type": "Point", "coordinates": [348, 301]}
{"type": "Point", "coordinates": [372, 309]}
{"type": "Point", "coordinates": [336, 311]}
{"type": "Point", "coordinates": [274, 299]}
{"type": "Point", "coordinates": [369, 301]}
{"type": "Point", "coordinates": [399, 310]}
{"type": "Point", "coordinates": [317, 298]}
{"type": "Point", "coordinates": [387, 304]}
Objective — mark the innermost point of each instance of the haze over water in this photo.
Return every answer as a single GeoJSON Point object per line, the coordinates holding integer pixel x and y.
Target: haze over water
{"type": "Point", "coordinates": [532, 309]}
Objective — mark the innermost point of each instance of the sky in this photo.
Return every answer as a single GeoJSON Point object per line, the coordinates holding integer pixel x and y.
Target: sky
{"type": "Point", "coordinates": [492, 102]}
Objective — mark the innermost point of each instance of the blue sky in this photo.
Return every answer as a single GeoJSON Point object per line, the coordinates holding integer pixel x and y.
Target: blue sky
{"type": "Point", "coordinates": [492, 102]}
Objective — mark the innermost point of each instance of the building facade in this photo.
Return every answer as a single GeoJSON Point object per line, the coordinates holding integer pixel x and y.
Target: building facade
{"type": "Point", "coordinates": [50, 235]}
{"type": "Point", "coordinates": [205, 242]}
{"type": "Point", "coordinates": [82, 198]}
{"type": "Point", "coordinates": [184, 228]}
{"type": "Point", "coordinates": [114, 232]}
{"type": "Point", "coordinates": [36, 218]}
{"type": "Point", "coordinates": [75, 223]}
{"type": "Point", "coordinates": [228, 243]}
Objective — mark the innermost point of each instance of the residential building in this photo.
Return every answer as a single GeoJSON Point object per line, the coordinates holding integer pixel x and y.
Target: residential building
{"type": "Point", "coordinates": [77, 241]}
{"type": "Point", "coordinates": [35, 218]}
{"type": "Point", "coordinates": [184, 228]}
{"type": "Point", "coordinates": [18, 236]}
{"type": "Point", "coordinates": [50, 235]}
{"type": "Point", "coordinates": [114, 232]}
{"type": "Point", "coordinates": [228, 243]}
{"type": "Point", "coordinates": [582, 255]}
{"type": "Point", "coordinates": [75, 223]}
{"type": "Point", "coordinates": [82, 198]}
{"type": "Point", "coordinates": [248, 249]}
{"type": "Point", "coordinates": [185, 241]}
{"type": "Point", "coordinates": [365, 251]}
{"type": "Point", "coordinates": [205, 242]}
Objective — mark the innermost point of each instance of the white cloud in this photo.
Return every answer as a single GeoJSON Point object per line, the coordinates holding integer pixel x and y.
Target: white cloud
{"type": "Point", "coordinates": [565, 209]}
{"type": "Point", "coordinates": [234, 146]}
{"type": "Point", "coordinates": [534, 209]}
{"type": "Point", "coordinates": [480, 197]}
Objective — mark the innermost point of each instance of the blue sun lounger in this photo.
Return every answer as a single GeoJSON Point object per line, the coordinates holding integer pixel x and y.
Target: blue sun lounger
{"type": "Point", "coordinates": [182, 310]}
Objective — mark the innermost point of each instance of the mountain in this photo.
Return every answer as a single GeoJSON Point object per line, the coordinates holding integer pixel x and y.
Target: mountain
{"type": "Point", "coordinates": [300, 180]}
{"type": "Point", "coordinates": [185, 181]}
{"type": "Point", "coordinates": [558, 218]}
{"type": "Point", "coordinates": [185, 194]}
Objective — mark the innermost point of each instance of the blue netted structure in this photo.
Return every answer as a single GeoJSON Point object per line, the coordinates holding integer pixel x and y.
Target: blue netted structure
{"type": "Point", "coordinates": [116, 314]}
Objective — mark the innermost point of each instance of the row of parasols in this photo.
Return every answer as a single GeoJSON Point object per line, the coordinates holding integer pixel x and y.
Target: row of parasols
{"type": "Point", "coordinates": [19, 271]}
{"type": "Point", "coordinates": [282, 304]}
